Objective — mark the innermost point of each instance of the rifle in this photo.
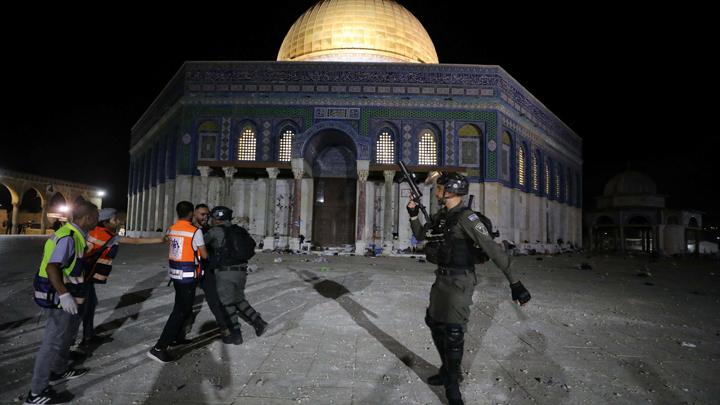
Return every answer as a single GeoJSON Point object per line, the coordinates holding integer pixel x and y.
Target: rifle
{"type": "Point", "coordinates": [414, 190]}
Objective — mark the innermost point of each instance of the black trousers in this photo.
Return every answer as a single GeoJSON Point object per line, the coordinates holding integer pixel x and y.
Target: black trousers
{"type": "Point", "coordinates": [209, 286]}
{"type": "Point", "coordinates": [182, 310]}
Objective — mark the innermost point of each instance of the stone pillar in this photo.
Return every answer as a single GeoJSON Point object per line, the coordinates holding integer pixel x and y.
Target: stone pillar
{"type": "Point", "coordinates": [229, 179]}
{"type": "Point", "coordinates": [16, 216]}
{"type": "Point", "coordinates": [43, 219]}
{"type": "Point", "coordinates": [388, 211]}
{"type": "Point", "coordinates": [296, 209]}
{"type": "Point", "coordinates": [152, 210]}
{"type": "Point", "coordinates": [360, 240]}
{"type": "Point", "coordinates": [169, 213]}
{"type": "Point", "coordinates": [269, 240]}
{"type": "Point", "coordinates": [159, 208]}
{"type": "Point", "coordinates": [202, 192]}
{"type": "Point", "coordinates": [130, 213]}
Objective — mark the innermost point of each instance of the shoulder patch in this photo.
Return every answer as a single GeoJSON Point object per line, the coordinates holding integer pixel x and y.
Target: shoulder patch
{"type": "Point", "coordinates": [481, 228]}
{"type": "Point", "coordinates": [473, 217]}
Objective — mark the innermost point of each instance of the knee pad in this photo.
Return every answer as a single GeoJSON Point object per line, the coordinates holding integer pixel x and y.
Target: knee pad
{"type": "Point", "coordinates": [455, 339]}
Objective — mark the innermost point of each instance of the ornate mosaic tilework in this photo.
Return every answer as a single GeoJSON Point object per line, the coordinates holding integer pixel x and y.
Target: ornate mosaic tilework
{"type": "Point", "coordinates": [225, 139]}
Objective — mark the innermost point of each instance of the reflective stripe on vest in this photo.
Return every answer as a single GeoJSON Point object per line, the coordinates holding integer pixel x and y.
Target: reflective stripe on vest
{"type": "Point", "coordinates": [72, 274]}
{"type": "Point", "coordinates": [184, 263]}
{"type": "Point", "coordinates": [96, 240]}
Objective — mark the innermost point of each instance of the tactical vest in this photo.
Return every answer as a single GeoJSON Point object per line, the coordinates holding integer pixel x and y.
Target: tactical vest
{"type": "Point", "coordinates": [45, 294]}
{"type": "Point", "coordinates": [184, 260]}
{"type": "Point", "coordinates": [452, 248]}
{"type": "Point", "coordinates": [97, 238]}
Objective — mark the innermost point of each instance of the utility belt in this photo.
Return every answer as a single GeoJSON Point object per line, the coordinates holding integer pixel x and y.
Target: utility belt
{"type": "Point", "coordinates": [448, 271]}
{"type": "Point", "coordinates": [234, 267]}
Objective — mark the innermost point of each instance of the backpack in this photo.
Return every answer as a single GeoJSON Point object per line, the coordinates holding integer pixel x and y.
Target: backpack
{"type": "Point", "coordinates": [238, 246]}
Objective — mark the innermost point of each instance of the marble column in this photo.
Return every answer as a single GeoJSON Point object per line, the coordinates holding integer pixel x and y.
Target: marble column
{"type": "Point", "coordinates": [204, 184]}
{"type": "Point", "coordinates": [229, 179]}
{"type": "Point", "coordinates": [269, 240]}
{"type": "Point", "coordinates": [296, 209]}
{"type": "Point", "coordinates": [169, 214]}
{"type": "Point", "coordinates": [388, 211]}
{"type": "Point", "coordinates": [15, 218]}
{"type": "Point", "coordinates": [360, 240]}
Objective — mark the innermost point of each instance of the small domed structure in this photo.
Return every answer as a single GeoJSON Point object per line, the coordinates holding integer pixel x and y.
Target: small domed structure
{"type": "Point", "coordinates": [630, 182]}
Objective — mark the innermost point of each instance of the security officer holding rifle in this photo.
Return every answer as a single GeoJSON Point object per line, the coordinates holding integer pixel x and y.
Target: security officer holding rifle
{"type": "Point", "coordinates": [457, 239]}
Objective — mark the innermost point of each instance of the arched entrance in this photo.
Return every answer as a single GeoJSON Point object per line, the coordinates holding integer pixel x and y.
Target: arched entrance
{"type": "Point", "coordinates": [333, 157]}
{"type": "Point", "coordinates": [58, 209]}
{"type": "Point", "coordinates": [605, 234]}
{"type": "Point", "coordinates": [6, 207]}
{"type": "Point", "coordinates": [31, 211]}
{"type": "Point", "coordinates": [638, 235]}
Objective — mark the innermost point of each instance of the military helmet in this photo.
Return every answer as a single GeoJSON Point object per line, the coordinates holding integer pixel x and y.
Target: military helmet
{"type": "Point", "coordinates": [221, 213]}
{"type": "Point", "coordinates": [454, 183]}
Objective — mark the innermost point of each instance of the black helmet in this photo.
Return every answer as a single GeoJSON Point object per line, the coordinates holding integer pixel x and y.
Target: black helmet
{"type": "Point", "coordinates": [221, 213]}
{"type": "Point", "coordinates": [454, 183]}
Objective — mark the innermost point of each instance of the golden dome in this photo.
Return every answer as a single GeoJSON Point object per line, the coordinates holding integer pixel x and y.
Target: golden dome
{"type": "Point", "coordinates": [358, 31]}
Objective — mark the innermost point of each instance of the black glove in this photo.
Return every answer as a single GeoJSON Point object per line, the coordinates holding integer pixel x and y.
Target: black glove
{"type": "Point", "coordinates": [519, 293]}
{"type": "Point", "coordinates": [413, 211]}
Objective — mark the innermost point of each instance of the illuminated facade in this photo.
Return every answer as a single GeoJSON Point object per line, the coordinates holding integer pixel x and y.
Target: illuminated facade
{"type": "Point", "coordinates": [307, 145]}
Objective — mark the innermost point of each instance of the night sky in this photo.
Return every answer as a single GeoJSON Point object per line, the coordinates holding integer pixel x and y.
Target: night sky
{"type": "Point", "coordinates": [630, 84]}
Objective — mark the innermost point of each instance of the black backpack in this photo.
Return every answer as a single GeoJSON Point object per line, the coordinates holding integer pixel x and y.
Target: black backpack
{"type": "Point", "coordinates": [238, 246]}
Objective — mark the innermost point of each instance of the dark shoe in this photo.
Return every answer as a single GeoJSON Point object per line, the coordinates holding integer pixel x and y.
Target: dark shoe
{"type": "Point", "coordinates": [95, 340]}
{"type": "Point", "coordinates": [70, 374]}
{"type": "Point", "coordinates": [260, 327]}
{"type": "Point", "coordinates": [440, 378]}
{"type": "Point", "coordinates": [79, 356]}
{"type": "Point", "coordinates": [179, 342]}
{"type": "Point", "coordinates": [453, 395]}
{"type": "Point", "coordinates": [49, 397]}
{"type": "Point", "coordinates": [161, 356]}
{"type": "Point", "coordinates": [235, 338]}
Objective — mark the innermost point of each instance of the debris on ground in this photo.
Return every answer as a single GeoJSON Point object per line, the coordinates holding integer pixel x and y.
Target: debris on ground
{"type": "Point", "coordinates": [278, 260]}
{"type": "Point", "coordinates": [686, 344]}
{"type": "Point", "coordinates": [585, 266]}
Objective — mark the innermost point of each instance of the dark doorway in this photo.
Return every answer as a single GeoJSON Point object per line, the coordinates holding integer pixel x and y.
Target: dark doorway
{"type": "Point", "coordinates": [333, 157]}
{"type": "Point", "coordinates": [334, 212]}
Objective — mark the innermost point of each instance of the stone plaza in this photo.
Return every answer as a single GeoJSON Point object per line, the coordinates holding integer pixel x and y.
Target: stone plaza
{"type": "Point", "coordinates": [350, 330]}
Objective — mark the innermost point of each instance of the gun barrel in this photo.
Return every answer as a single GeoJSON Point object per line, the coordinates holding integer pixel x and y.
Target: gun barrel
{"type": "Point", "coordinates": [417, 194]}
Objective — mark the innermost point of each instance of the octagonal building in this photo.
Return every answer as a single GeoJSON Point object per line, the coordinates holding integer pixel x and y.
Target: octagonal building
{"type": "Point", "coordinates": [306, 147]}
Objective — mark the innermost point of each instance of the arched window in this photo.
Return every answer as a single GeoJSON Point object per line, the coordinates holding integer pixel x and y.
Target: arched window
{"type": "Point", "coordinates": [557, 182]}
{"type": "Point", "coordinates": [470, 142]}
{"type": "Point", "coordinates": [535, 172]}
{"type": "Point", "coordinates": [208, 134]}
{"type": "Point", "coordinates": [505, 152]}
{"type": "Point", "coordinates": [521, 165]}
{"type": "Point", "coordinates": [546, 178]}
{"type": "Point", "coordinates": [693, 223]}
{"type": "Point", "coordinates": [285, 147]}
{"type": "Point", "coordinates": [568, 183]}
{"type": "Point", "coordinates": [427, 148]}
{"type": "Point", "coordinates": [247, 144]}
{"type": "Point", "coordinates": [385, 148]}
